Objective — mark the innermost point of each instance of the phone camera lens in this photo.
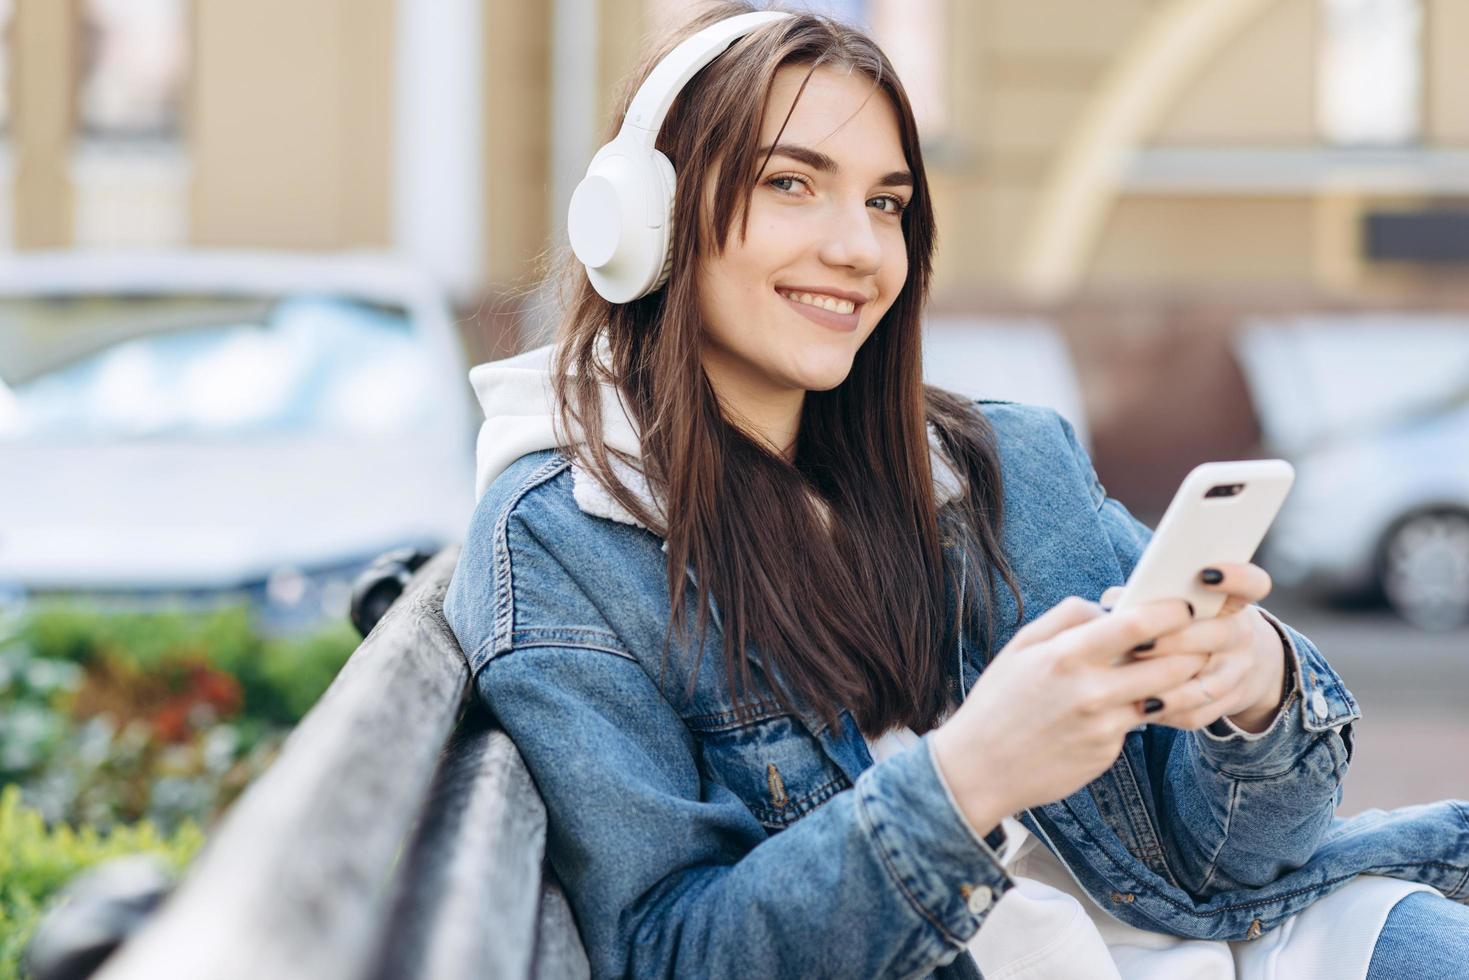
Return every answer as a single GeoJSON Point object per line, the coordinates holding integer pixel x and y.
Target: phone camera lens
{"type": "Point", "coordinates": [1225, 490]}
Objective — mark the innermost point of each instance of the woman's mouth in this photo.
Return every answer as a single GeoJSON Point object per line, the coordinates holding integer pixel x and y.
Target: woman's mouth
{"type": "Point", "coordinates": [828, 311]}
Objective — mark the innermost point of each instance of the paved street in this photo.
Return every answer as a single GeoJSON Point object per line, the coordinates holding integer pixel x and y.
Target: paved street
{"type": "Point", "coordinates": [1413, 741]}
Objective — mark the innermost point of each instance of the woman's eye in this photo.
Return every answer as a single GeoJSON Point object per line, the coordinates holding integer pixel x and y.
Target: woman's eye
{"type": "Point", "coordinates": [787, 178]}
{"type": "Point", "coordinates": [898, 206]}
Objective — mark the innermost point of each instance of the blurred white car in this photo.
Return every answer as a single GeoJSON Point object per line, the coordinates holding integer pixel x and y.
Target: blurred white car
{"type": "Point", "coordinates": [1017, 359]}
{"type": "Point", "coordinates": [1373, 410]}
{"type": "Point", "coordinates": [198, 427]}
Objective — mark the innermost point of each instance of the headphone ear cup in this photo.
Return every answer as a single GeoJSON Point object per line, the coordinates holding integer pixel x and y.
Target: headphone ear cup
{"type": "Point", "coordinates": [620, 217]}
{"type": "Point", "coordinates": [669, 181]}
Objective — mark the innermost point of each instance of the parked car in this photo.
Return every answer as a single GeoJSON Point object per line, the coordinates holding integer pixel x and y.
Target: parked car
{"type": "Point", "coordinates": [188, 429]}
{"type": "Point", "coordinates": [1374, 413]}
{"type": "Point", "coordinates": [1015, 359]}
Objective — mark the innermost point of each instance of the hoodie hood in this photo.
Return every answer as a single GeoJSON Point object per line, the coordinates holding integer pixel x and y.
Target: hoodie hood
{"type": "Point", "coordinates": [519, 403]}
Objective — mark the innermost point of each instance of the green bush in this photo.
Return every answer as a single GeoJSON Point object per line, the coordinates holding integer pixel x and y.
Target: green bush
{"type": "Point", "coordinates": [37, 861]}
{"type": "Point", "coordinates": [107, 718]}
{"type": "Point", "coordinates": [280, 678]}
{"type": "Point", "coordinates": [125, 732]}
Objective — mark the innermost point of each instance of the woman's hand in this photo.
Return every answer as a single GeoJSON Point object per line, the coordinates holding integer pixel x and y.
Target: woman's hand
{"type": "Point", "coordinates": [1049, 714]}
{"type": "Point", "coordinates": [1245, 672]}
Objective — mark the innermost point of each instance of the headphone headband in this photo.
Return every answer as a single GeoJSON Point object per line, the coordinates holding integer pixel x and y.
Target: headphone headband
{"type": "Point", "coordinates": [650, 105]}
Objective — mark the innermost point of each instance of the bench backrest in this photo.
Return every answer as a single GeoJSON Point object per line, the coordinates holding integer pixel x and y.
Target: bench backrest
{"type": "Point", "coordinates": [397, 835]}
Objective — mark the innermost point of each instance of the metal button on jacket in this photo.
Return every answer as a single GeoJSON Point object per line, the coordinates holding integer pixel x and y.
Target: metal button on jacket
{"type": "Point", "coordinates": [980, 899]}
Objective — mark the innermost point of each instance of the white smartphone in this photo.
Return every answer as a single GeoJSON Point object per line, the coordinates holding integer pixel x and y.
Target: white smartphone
{"type": "Point", "coordinates": [1220, 514]}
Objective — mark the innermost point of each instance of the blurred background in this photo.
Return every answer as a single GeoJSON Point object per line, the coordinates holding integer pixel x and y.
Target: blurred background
{"type": "Point", "coordinates": [248, 251]}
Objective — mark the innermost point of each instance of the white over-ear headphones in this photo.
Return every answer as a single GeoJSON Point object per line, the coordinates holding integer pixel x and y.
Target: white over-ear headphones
{"type": "Point", "coordinates": [621, 217]}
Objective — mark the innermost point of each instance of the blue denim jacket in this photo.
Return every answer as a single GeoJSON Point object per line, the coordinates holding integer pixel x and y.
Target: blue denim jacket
{"type": "Point", "coordinates": [700, 837]}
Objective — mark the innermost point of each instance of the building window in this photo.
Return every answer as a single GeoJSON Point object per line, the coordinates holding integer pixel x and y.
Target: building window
{"type": "Point", "coordinates": [129, 167]}
{"type": "Point", "coordinates": [133, 63]}
{"type": "Point", "coordinates": [1371, 72]}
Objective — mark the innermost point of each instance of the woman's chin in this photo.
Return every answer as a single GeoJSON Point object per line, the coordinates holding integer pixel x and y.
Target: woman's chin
{"type": "Point", "coordinates": [823, 373]}
{"type": "Point", "coordinates": [824, 380]}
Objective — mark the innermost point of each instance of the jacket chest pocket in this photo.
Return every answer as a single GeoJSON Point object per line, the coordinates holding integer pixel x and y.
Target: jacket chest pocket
{"type": "Point", "coordinates": [771, 763]}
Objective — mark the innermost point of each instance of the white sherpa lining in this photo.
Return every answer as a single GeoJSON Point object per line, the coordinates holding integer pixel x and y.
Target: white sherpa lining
{"type": "Point", "coordinates": [594, 499]}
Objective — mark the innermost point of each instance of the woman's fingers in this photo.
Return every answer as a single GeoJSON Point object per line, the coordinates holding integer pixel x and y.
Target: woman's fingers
{"type": "Point", "coordinates": [1070, 612]}
{"type": "Point", "coordinates": [1143, 679]}
{"type": "Point", "coordinates": [1108, 639]}
{"type": "Point", "coordinates": [1208, 696]}
{"type": "Point", "coordinates": [1243, 582]}
{"type": "Point", "coordinates": [1218, 633]}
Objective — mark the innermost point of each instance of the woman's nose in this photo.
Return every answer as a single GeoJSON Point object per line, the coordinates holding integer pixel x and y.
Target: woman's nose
{"type": "Point", "coordinates": [852, 242]}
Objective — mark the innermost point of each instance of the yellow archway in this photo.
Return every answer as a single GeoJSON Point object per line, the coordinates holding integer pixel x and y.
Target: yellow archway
{"type": "Point", "coordinates": [1162, 59]}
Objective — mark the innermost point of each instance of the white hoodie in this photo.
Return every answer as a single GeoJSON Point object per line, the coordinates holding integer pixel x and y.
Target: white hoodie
{"type": "Point", "coordinates": [520, 405]}
{"type": "Point", "coordinates": [520, 414]}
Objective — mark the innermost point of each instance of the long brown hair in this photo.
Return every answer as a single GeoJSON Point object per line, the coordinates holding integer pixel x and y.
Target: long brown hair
{"type": "Point", "coordinates": [851, 617]}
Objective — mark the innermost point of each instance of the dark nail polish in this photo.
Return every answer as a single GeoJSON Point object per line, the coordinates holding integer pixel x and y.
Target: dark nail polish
{"type": "Point", "coordinates": [1152, 706]}
{"type": "Point", "coordinates": [1145, 647]}
{"type": "Point", "coordinates": [1105, 607]}
{"type": "Point", "coordinates": [1190, 608]}
{"type": "Point", "coordinates": [1211, 576]}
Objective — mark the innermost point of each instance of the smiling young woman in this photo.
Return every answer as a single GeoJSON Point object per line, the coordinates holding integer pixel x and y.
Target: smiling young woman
{"type": "Point", "coordinates": [803, 655]}
{"type": "Point", "coordinates": [779, 380]}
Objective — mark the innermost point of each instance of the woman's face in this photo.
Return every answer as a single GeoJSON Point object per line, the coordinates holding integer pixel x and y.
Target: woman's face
{"type": "Point", "coordinates": [786, 308]}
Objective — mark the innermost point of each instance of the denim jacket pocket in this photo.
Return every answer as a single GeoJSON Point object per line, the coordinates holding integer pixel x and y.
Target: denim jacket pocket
{"type": "Point", "coordinates": [766, 757]}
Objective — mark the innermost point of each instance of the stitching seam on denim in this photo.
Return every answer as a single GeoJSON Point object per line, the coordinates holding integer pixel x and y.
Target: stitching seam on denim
{"type": "Point", "coordinates": [750, 713]}
{"type": "Point", "coordinates": [565, 634]}
{"type": "Point", "coordinates": [1463, 886]}
{"type": "Point", "coordinates": [571, 645]}
{"type": "Point", "coordinates": [1153, 843]}
{"type": "Point", "coordinates": [504, 576]}
{"type": "Point", "coordinates": [797, 807]}
{"type": "Point", "coordinates": [882, 854]}
{"type": "Point", "coordinates": [1285, 770]}
{"type": "Point", "coordinates": [1353, 710]}
{"type": "Point", "coordinates": [1095, 490]}
{"type": "Point", "coordinates": [1212, 868]}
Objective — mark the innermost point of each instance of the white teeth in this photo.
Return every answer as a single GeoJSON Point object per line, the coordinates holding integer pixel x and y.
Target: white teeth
{"type": "Point", "coordinates": [824, 302]}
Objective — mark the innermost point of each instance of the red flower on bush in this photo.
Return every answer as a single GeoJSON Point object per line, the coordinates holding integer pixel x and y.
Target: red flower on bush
{"type": "Point", "coordinates": [202, 687]}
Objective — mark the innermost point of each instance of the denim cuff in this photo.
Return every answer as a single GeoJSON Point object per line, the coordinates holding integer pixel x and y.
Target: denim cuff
{"type": "Point", "coordinates": [1316, 700]}
{"type": "Point", "coordinates": [944, 868]}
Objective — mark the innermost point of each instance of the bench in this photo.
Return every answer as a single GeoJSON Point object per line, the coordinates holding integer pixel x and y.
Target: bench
{"type": "Point", "coordinates": [397, 835]}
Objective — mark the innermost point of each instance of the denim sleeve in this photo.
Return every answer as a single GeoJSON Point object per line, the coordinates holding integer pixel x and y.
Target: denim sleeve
{"type": "Point", "coordinates": [1237, 810]}
{"type": "Point", "coordinates": [672, 876]}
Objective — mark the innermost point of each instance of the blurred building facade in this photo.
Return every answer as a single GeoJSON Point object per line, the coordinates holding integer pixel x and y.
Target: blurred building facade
{"type": "Point", "coordinates": [1144, 172]}
{"type": "Point", "coordinates": [1105, 143]}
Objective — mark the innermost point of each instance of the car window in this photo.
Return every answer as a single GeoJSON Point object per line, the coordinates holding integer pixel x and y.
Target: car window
{"type": "Point", "coordinates": [1318, 379]}
{"type": "Point", "coordinates": [216, 368]}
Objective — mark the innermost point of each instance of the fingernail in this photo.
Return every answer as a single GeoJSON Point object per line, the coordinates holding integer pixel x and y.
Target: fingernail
{"type": "Point", "coordinates": [1211, 576]}
{"type": "Point", "coordinates": [1105, 607]}
{"type": "Point", "coordinates": [1190, 608]}
{"type": "Point", "coordinates": [1145, 647]}
{"type": "Point", "coordinates": [1152, 706]}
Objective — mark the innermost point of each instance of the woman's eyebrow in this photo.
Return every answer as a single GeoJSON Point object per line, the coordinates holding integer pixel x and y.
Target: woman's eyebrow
{"type": "Point", "coordinates": [817, 160]}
